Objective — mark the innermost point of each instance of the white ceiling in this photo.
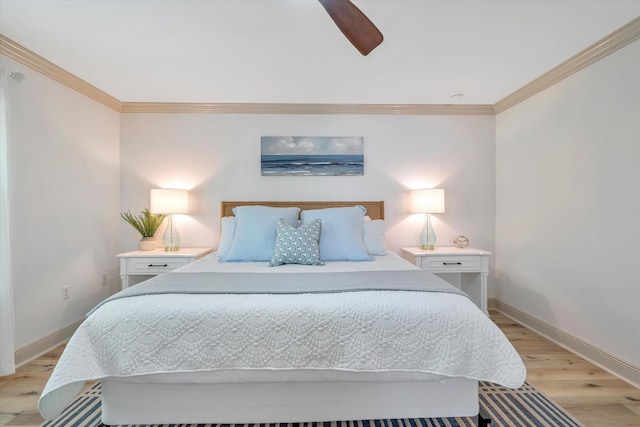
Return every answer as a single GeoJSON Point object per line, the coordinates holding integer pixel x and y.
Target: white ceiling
{"type": "Point", "coordinates": [290, 51]}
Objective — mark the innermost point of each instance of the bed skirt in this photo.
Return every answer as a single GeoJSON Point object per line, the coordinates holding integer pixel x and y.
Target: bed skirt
{"type": "Point", "coordinates": [126, 402]}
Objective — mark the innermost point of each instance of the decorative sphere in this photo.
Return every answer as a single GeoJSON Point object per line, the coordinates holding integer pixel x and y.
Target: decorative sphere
{"type": "Point", "coordinates": [461, 241]}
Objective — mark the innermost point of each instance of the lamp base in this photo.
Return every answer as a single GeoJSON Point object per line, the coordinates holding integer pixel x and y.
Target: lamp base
{"type": "Point", "coordinates": [171, 238]}
{"type": "Point", "coordinates": [427, 237]}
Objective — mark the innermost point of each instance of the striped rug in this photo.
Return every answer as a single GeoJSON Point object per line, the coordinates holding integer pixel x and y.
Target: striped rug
{"type": "Point", "coordinates": [523, 407]}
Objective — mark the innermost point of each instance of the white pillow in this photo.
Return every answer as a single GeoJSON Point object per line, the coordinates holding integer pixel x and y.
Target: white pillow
{"type": "Point", "coordinates": [341, 235]}
{"type": "Point", "coordinates": [374, 237]}
{"type": "Point", "coordinates": [255, 236]}
{"type": "Point", "coordinates": [227, 232]}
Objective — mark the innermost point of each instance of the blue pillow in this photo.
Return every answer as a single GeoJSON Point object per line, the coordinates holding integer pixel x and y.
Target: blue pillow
{"type": "Point", "coordinates": [255, 236]}
{"type": "Point", "coordinates": [297, 245]}
{"type": "Point", "coordinates": [341, 236]}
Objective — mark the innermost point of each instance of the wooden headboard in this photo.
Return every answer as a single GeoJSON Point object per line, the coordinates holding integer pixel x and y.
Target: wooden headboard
{"type": "Point", "coordinates": [375, 210]}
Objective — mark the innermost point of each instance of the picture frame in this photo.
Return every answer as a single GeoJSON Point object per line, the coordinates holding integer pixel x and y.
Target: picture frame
{"type": "Point", "coordinates": [312, 155]}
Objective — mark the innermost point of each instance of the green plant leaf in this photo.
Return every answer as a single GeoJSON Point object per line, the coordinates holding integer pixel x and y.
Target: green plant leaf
{"type": "Point", "coordinates": [146, 223]}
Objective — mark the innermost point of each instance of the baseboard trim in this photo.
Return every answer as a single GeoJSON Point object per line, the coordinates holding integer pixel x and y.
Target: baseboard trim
{"type": "Point", "coordinates": [37, 348]}
{"type": "Point", "coordinates": [607, 361]}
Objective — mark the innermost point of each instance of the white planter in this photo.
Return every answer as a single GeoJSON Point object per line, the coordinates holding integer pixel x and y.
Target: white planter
{"type": "Point", "coordinates": [148, 243]}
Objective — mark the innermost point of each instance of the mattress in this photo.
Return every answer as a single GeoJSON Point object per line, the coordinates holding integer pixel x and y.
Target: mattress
{"type": "Point", "coordinates": [381, 335]}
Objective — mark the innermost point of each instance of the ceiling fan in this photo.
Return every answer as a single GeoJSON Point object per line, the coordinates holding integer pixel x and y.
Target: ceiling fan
{"type": "Point", "coordinates": [354, 24]}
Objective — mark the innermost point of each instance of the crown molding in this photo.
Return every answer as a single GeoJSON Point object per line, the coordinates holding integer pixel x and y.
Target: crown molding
{"type": "Point", "coordinates": [37, 63]}
{"type": "Point", "coordinates": [620, 38]}
{"type": "Point", "coordinates": [606, 46]}
{"type": "Point", "coordinates": [265, 108]}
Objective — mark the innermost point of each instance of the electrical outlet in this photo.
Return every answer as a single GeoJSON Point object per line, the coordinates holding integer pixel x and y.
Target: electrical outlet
{"type": "Point", "coordinates": [65, 292]}
{"type": "Point", "coordinates": [105, 280]}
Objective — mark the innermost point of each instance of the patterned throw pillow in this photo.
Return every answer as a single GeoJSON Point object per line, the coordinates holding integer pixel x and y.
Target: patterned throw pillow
{"type": "Point", "coordinates": [297, 245]}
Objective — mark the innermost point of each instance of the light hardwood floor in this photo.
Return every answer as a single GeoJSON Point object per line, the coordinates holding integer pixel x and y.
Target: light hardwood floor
{"type": "Point", "coordinates": [593, 396]}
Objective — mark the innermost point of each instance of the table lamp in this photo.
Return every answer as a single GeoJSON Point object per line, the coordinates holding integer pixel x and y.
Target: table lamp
{"type": "Point", "coordinates": [170, 201]}
{"type": "Point", "coordinates": [427, 201]}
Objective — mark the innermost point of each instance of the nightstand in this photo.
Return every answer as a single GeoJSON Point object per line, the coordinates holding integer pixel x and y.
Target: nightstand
{"type": "Point", "coordinates": [467, 268]}
{"type": "Point", "coordinates": [152, 263]}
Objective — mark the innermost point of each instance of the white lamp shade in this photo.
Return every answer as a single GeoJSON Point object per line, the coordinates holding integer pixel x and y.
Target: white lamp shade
{"type": "Point", "coordinates": [169, 201]}
{"type": "Point", "coordinates": [426, 201]}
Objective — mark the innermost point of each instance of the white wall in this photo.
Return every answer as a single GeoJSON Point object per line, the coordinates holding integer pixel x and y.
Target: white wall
{"type": "Point", "coordinates": [64, 180]}
{"type": "Point", "coordinates": [568, 205]}
{"type": "Point", "coordinates": [218, 157]}
{"type": "Point", "coordinates": [551, 186]}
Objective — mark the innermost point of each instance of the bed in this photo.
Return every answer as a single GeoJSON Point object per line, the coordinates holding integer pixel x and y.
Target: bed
{"type": "Point", "coordinates": [223, 340]}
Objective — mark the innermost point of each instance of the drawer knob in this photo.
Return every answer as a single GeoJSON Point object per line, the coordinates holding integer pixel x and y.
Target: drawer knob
{"type": "Point", "coordinates": [451, 263]}
{"type": "Point", "coordinates": [158, 265]}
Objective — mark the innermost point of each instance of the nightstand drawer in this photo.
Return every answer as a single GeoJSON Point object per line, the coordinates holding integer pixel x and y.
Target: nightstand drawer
{"type": "Point", "coordinates": [154, 265]}
{"type": "Point", "coordinates": [453, 264]}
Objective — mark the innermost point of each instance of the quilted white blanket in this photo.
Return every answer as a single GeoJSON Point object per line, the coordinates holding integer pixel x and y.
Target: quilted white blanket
{"type": "Point", "coordinates": [368, 331]}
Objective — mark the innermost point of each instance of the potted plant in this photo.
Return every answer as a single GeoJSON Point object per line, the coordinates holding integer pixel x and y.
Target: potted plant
{"type": "Point", "coordinates": [146, 224]}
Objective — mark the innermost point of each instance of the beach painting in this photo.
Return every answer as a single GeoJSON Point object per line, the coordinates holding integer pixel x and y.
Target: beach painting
{"type": "Point", "coordinates": [312, 155]}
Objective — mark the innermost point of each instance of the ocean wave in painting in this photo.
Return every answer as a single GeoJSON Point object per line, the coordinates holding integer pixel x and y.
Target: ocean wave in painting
{"type": "Point", "coordinates": [322, 165]}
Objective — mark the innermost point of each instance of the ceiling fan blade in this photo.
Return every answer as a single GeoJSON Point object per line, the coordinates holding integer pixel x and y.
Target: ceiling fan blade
{"type": "Point", "coordinates": [354, 24]}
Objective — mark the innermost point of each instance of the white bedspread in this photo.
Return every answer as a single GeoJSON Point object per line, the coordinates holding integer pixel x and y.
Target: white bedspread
{"type": "Point", "coordinates": [371, 331]}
